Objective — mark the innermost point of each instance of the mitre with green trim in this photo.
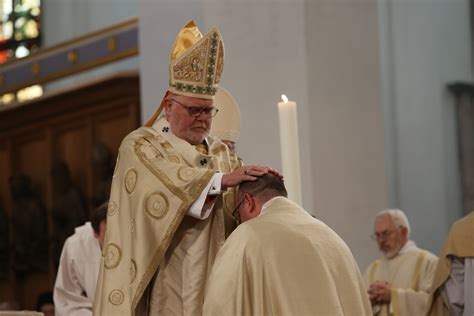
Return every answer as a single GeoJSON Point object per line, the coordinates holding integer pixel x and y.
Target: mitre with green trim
{"type": "Point", "coordinates": [196, 62]}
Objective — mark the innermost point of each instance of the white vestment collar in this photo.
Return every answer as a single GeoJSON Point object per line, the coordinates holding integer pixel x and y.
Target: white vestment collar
{"type": "Point", "coordinates": [409, 246]}
{"type": "Point", "coordinates": [268, 204]}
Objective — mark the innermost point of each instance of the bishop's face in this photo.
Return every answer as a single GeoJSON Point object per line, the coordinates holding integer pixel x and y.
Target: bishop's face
{"type": "Point", "coordinates": [184, 123]}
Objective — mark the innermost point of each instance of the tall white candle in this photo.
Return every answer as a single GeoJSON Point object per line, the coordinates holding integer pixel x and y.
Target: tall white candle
{"type": "Point", "coordinates": [290, 151]}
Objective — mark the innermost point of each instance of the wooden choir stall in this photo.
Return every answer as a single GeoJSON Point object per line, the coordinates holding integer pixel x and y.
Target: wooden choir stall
{"type": "Point", "coordinates": [57, 154]}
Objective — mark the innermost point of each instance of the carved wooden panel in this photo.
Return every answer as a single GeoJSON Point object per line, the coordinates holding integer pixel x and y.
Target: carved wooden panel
{"type": "Point", "coordinates": [109, 125]}
{"type": "Point", "coordinates": [72, 145]}
{"type": "Point", "coordinates": [4, 171]}
{"type": "Point", "coordinates": [63, 126]}
{"type": "Point", "coordinates": [28, 154]}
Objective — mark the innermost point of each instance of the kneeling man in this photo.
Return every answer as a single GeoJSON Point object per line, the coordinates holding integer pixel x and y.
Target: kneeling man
{"type": "Point", "coordinates": [282, 261]}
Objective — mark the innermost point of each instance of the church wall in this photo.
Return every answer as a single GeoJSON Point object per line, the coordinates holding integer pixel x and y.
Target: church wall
{"type": "Point", "coordinates": [424, 46]}
{"type": "Point", "coordinates": [67, 19]}
{"type": "Point", "coordinates": [347, 130]}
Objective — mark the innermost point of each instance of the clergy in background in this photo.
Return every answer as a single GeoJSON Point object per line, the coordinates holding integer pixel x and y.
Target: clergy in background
{"type": "Point", "coordinates": [399, 282]}
{"type": "Point", "coordinates": [453, 285]}
{"type": "Point", "coordinates": [166, 218]}
{"type": "Point", "coordinates": [76, 280]}
{"type": "Point", "coordinates": [226, 126]}
{"type": "Point", "coordinates": [282, 261]}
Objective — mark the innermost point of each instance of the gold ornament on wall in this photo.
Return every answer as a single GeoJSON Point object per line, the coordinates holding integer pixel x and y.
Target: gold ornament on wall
{"type": "Point", "coordinates": [35, 69]}
{"type": "Point", "coordinates": [72, 57]}
{"type": "Point", "coordinates": [111, 44]}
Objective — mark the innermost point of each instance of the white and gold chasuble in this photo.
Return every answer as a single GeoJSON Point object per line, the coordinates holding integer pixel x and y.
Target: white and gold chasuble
{"type": "Point", "coordinates": [155, 258]}
{"type": "Point", "coordinates": [285, 262]}
{"type": "Point", "coordinates": [410, 274]}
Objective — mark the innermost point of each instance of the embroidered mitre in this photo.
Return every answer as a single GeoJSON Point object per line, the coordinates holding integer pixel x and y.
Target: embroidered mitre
{"type": "Point", "coordinates": [196, 62]}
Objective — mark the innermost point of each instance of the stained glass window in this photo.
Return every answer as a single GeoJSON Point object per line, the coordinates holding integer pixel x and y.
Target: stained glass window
{"type": "Point", "coordinates": [19, 36]}
{"type": "Point", "coordinates": [20, 28]}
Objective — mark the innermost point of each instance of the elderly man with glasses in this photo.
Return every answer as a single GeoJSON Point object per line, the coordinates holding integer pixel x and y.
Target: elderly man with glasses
{"type": "Point", "coordinates": [398, 283]}
{"type": "Point", "coordinates": [282, 261]}
{"type": "Point", "coordinates": [166, 216]}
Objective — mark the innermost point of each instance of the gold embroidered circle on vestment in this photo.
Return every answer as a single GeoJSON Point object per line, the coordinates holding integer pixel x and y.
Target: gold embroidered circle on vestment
{"type": "Point", "coordinates": [133, 271]}
{"type": "Point", "coordinates": [156, 204]}
{"type": "Point", "coordinates": [225, 167]}
{"type": "Point", "coordinates": [112, 256]}
{"type": "Point", "coordinates": [173, 158]}
{"type": "Point", "coordinates": [112, 208]}
{"type": "Point", "coordinates": [116, 297]}
{"type": "Point", "coordinates": [131, 180]}
{"type": "Point", "coordinates": [185, 173]}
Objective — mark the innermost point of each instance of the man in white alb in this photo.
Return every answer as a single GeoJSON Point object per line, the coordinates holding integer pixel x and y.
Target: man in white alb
{"type": "Point", "coordinates": [399, 282]}
{"type": "Point", "coordinates": [79, 265]}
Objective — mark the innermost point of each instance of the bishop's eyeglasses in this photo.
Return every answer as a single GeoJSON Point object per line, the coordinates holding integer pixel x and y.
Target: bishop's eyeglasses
{"type": "Point", "coordinates": [195, 111]}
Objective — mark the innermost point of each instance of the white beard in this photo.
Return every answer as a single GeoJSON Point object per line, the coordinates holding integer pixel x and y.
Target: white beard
{"type": "Point", "coordinates": [392, 253]}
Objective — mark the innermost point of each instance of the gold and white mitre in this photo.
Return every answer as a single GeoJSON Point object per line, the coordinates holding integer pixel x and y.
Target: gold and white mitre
{"type": "Point", "coordinates": [196, 62]}
{"type": "Point", "coordinates": [226, 124]}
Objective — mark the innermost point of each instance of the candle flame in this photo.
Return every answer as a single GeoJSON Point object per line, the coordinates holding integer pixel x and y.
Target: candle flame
{"type": "Point", "coordinates": [284, 98]}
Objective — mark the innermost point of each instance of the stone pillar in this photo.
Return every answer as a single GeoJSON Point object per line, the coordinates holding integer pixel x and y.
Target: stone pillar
{"type": "Point", "coordinates": [464, 94]}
